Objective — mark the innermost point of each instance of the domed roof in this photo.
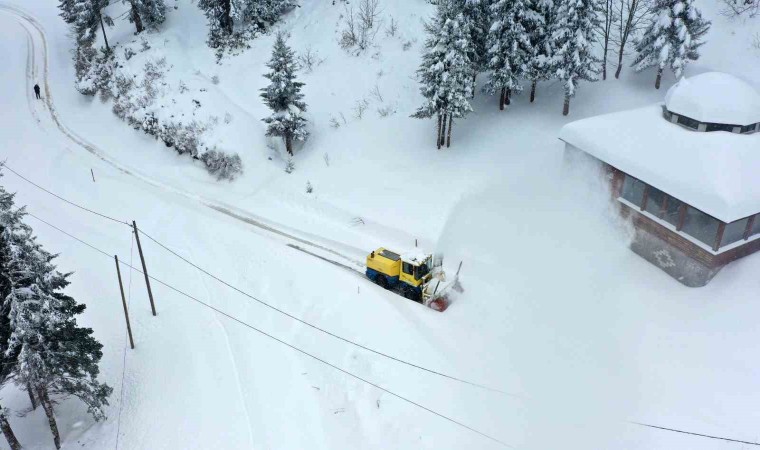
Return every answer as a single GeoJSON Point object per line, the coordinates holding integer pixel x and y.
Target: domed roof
{"type": "Point", "coordinates": [715, 97]}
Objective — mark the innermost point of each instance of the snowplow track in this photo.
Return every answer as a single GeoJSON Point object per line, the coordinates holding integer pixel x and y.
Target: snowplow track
{"type": "Point", "coordinates": [265, 227]}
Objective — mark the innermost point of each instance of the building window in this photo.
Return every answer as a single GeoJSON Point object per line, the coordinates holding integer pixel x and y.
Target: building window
{"type": "Point", "coordinates": [748, 128]}
{"type": "Point", "coordinates": [672, 211]}
{"type": "Point", "coordinates": [720, 127]}
{"type": "Point", "coordinates": [755, 226]}
{"type": "Point", "coordinates": [655, 201]}
{"type": "Point", "coordinates": [688, 122]}
{"type": "Point", "coordinates": [633, 190]}
{"type": "Point", "coordinates": [734, 232]}
{"type": "Point", "coordinates": [700, 226]}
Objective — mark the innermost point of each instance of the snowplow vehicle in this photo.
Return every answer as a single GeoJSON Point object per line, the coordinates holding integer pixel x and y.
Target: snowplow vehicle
{"type": "Point", "coordinates": [409, 275]}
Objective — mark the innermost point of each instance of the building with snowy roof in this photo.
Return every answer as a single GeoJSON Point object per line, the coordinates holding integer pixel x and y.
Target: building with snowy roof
{"type": "Point", "coordinates": [687, 172]}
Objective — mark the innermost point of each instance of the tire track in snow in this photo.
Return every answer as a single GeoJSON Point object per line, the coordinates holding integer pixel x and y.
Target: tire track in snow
{"type": "Point", "coordinates": [231, 354]}
{"type": "Point", "coordinates": [228, 210]}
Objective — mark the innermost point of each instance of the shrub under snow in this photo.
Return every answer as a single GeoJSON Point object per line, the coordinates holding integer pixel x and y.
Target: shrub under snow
{"type": "Point", "coordinates": [136, 99]}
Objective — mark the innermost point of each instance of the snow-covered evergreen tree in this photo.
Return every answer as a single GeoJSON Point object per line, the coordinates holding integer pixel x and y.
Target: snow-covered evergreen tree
{"type": "Point", "coordinates": [87, 18]}
{"type": "Point", "coordinates": [446, 70]}
{"type": "Point", "coordinates": [673, 38]}
{"type": "Point", "coordinates": [573, 36]}
{"type": "Point", "coordinates": [283, 96]}
{"type": "Point", "coordinates": [146, 13]}
{"type": "Point", "coordinates": [509, 49]}
{"type": "Point", "coordinates": [539, 20]}
{"type": "Point", "coordinates": [53, 356]}
{"type": "Point", "coordinates": [8, 359]}
{"type": "Point", "coordinates": [477, 14]}
{"type": "Point", "coordinates": [219, 15]}
{"type": "Point", "coordinates": [152, 12]}
{"type": "Point", "coordinates": [262, 13]}
{"type": "Point", "coordinates": [67, 10]}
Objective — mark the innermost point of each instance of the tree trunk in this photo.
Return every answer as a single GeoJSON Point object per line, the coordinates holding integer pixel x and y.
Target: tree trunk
{"type": "Point", "coordinates": [226, 22]}
{"type": "Point", "coordinates": [438, 137]}
{"type": "Point", "coordinates": [566, 108]}
{"type": "Point", "coordinates": [443, 131]}
{"type": "Point", "coordinates": [289, 144]}
{"type": "Point", "coordinates": [451, 124]}
{"type": "Point", "coordinates": [5, 426]}
{"type": "Point", "coordinates": [604, 59]}
{"type": "Point", "coordinates": [626, 32]}
{"type": "Point", "coordinates": [48, 407]}
{"type": "Point", "coordinates": [532, 91]}
{"type": "Point", "coordinates": [31, 396]}
{"type": "Point", "coordinates": [501, 98]}
{"type": "Point", "coordinates": [103, 27]}
{"type": "Point", "coordinates": [474, 83]}
{"type": "Point", "coordinates": [136, 17]}
{"type": "Point", "coordinates": [659, 78]}
{"type": "Point", "coordinates": [506, 98]}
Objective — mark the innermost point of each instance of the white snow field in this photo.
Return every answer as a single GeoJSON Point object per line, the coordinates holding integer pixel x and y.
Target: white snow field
{"type": "Point", "coordinates": [583, 335]}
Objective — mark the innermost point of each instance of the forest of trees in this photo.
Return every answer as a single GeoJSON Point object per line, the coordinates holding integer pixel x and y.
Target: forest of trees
{"type": "Point", "coordinates": [514, 42]}
{"type": "Point", "coordinates": [42, 349]}
{"type": "Point", "coordinates": [526, 41]}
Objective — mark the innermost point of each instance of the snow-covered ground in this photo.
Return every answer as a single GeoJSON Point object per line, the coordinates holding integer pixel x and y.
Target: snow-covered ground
{"type": "Point", "coordinates": [555, 310]}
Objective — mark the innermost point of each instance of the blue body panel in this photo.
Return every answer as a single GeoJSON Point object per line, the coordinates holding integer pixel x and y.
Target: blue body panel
{"type": "Point", "coordinates": [372, 275]}
{"type": "Point", "coordinates": [394, 283]}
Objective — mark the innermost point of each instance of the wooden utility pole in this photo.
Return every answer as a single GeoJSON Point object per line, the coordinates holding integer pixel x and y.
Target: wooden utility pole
{"type": "Point", "coordinates": [124, 302]}
{"type": "Point", "coordinates": [145, 269]}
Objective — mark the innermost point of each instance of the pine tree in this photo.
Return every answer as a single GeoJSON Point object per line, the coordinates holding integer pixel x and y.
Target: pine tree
{"type": "Point", "coordinates": [87, 17]}
{"type": "Point", "coordinates": [8, 358]}
{"type": "Point", "coordinates": [219, 15]}
{"type": "Point", "coordinates": [283, 96]}
{"type": "Point", "coordinates": [673, 38]}
{"type": "Point", "coordinates": [134, 16]}
{"type": "Point", "coordinates": [540, 18]}
{"type": "Point", "coordinates": [53, 356]}
{"type": "Point", "coordinates": [477, 14]}
{"type": "Point", "coordinates": [446, 70]}
{"type": "Point", "coordinates": [146, 13]}
{"type": "Point", "coordinates": [152, 12]}
{"type": "Point", "coordinates": [509, 49]}
{"type": "Point", "coordinates": [573, 36]}
{"type": "Point", "coordinates": [67, 10]}
{"type": "Point", "coordinates": [262, 13]}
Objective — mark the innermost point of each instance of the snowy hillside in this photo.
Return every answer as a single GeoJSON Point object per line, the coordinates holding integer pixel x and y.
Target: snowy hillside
{"type": "Point", "coordinates": [582, 335]}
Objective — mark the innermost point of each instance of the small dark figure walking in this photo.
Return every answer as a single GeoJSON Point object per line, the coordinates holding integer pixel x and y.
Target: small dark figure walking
{"type": "Point", "coordinates": [37, 91]}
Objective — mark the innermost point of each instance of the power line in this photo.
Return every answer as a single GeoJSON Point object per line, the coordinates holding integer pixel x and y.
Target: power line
{"type": "Point", "coordinates": [696, 434]}
{"type": "Point", "coordinates": [3, 164]}
{"type": "Point", "coordinates": [315, 327]}
{"type": "Point", "coordinates": [329, 333]}
{"type": "Point", "coordinates": [356, 376]}
{"type": "Point", "coordinates": [291, 346]}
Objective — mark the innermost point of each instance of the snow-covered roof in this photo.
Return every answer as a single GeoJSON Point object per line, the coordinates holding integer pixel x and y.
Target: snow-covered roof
{"type": "Point", "coordinates": [714, 172]}
{"type": "Point", "coordinates": [715, 97]}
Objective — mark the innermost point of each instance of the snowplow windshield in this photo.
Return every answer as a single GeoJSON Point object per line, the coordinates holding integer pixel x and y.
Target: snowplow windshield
{"type": "Point", "coordinates": [420, 271]}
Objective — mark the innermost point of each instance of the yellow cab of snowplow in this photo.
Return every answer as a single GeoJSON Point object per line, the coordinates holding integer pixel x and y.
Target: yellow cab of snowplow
{"type": "Point", "coordinates": [412, 271]}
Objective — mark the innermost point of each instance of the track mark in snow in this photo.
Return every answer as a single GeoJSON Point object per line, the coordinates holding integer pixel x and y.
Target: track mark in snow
{"type": "Point", "coordinates": [230, 353]}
